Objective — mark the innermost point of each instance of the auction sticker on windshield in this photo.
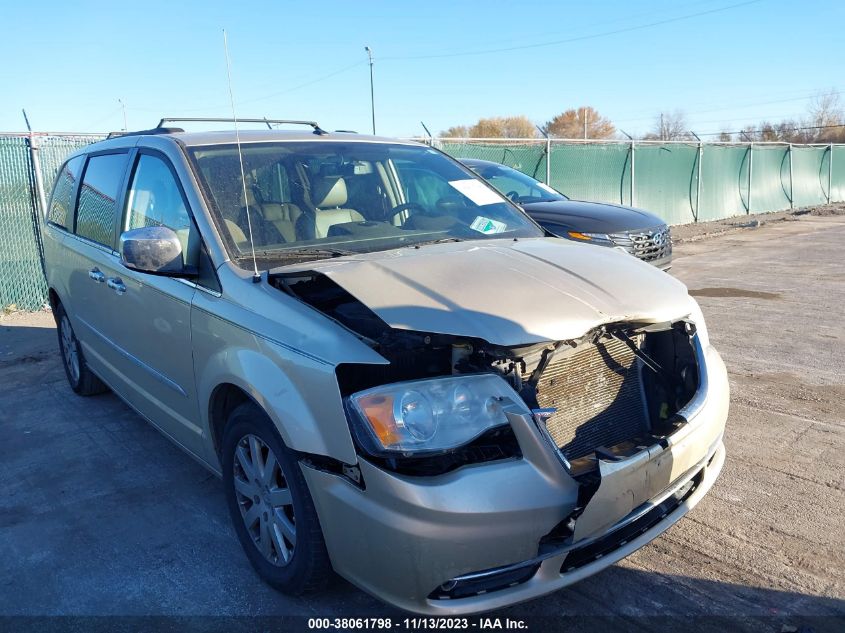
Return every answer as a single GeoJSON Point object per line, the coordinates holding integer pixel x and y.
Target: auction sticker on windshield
{"type": "Point", "coordinates": [476, 192]}
{"type": "Point", "coordinates": [487, 226]}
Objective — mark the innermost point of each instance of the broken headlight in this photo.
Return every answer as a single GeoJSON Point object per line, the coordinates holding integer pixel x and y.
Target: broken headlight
{"type": "Point", "coordinates": [428, 416]}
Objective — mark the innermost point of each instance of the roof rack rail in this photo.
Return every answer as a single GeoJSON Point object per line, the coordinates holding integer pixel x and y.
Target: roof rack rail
{"type": "Point", "coordinates": [313, 124]}
{"type": "Point", "coordinates": [155, 130]}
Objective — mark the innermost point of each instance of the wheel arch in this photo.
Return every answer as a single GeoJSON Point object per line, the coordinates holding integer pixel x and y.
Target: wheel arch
{"type": "Point", "coordinates": [301, 398]}
{"type": "Point", "coordinates": [53, 298]}
{"type": "Point", "coordinates": [225, 398]}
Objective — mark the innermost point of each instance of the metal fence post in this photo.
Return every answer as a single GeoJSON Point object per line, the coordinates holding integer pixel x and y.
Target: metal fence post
{"type": "Point", "coordinates": [548, 154]}
{"type": "Point", "coordinates": [750, 173]}
{"type": "Point", "coordinates": [698, 183]}
{"type": "Point", "coordinates": [633, 187]}
{"type": "Point", "coordinates": [32, 141]}
{"type": "Point", "coordinates": [791, 181]}
{"type": "Point", "coordinates": [698, 180]}
{"type": "Point", "coordinates": [830, 175]}
{"type": "Point", "coordinates": [40, 202]}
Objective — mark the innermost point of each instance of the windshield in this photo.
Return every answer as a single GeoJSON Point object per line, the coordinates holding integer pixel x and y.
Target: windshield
{"type": "Point", "coordinates": [515, 185]}
{"type": "Point", "coordinates": [307, 200]}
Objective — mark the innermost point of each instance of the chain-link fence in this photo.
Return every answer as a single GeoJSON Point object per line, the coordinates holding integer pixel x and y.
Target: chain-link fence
{"type": "Point", "coordinates": [681, 182]}
{"type": "Point", "coordinates": [21, 275]}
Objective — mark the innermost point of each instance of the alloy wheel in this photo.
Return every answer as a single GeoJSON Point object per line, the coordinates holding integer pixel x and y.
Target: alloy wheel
{"type": "Point", "coordinates": [264, 499]}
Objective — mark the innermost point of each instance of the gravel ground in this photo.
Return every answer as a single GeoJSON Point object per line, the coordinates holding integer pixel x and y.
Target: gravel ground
{"type": "Point", "coordinates": [705, 230]}
{"type": "Point", "coordinates": [101, 515]}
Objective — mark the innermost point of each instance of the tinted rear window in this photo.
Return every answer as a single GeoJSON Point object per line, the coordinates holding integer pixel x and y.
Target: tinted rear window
{"type": "Point", "coordinates": [97, 214]}
{"type": "Point", "coordinates": [61, 204]}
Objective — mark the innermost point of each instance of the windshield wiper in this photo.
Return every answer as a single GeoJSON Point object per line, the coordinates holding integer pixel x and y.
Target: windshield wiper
{"type": "Point", "coordinates": [438, 241]}
{"type": "Point", "coordinates": [304, 253]}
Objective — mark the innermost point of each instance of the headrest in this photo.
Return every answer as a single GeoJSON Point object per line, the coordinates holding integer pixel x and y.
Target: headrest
{"type": "Point", "coordinates": [328, 192]}
{"type": "Point", "coordinates": [250, 196]}
{"type": "Point", "coordinates": [274, 212]}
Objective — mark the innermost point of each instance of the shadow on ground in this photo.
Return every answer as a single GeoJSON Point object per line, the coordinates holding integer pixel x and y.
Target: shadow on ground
{"type": "Point", "coordinates": [101, 515]}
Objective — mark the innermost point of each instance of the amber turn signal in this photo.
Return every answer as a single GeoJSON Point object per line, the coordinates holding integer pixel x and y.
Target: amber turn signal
{"type": "Point", "coordinates": [579, 236]}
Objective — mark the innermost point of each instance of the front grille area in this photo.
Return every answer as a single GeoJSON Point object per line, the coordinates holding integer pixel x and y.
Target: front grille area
{"type": "Point", "coordinates": [648, 245]}
{"type": "Point", "coordinates": [596, 391]}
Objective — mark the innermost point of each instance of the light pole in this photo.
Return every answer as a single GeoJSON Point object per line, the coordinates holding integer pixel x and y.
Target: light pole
{"type": "Point", "coordinates": [372, 93]}
{"type": "Point", "coordinates": [123, 106]}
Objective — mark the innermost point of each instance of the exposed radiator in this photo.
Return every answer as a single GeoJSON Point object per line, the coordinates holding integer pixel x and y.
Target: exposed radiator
{"type": "Point", "coordinates": [596, 391]}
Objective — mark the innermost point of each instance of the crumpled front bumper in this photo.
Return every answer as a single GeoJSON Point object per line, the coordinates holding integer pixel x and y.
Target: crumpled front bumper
{"type": "Point", "coordinates": [400, 538]}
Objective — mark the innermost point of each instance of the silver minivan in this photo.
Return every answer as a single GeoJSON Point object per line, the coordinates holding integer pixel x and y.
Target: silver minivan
{"type": "Point", "coordinates": [397, 374]}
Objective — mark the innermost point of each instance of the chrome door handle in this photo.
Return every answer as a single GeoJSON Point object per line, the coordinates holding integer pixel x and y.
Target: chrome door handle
{"type": "Point", "coordinates": [96, 275]}
{"type": "Point", "coordinates": [116, 284]}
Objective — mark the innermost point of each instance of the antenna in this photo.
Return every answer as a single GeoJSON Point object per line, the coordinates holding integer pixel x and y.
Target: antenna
{"type": "Point", "coordinates": [426, 131]}
{"type": "Point", "coordinates": [256, 276]}
{"type": "Point", "coordinates": [123, 106]}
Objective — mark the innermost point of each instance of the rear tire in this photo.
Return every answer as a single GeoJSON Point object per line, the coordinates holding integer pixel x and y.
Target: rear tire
{"type": "Point", "coordinates": [82, 380]}
{"type": "Point", "coordinates": [271, 509]}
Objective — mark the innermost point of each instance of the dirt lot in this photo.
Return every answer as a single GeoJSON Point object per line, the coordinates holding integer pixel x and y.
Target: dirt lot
{"type": "Point", "coordinates": [101, 515]}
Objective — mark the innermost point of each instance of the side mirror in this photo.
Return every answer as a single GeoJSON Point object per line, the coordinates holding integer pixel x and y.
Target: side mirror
{"type": "Point", "coordinates": [153, 249]}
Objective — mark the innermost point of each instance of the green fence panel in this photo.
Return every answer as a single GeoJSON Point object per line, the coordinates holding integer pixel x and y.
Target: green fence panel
{"type": "Point", "coordinates": [21, 278]}
{"type": "Point", "coordinates": [724, 182]}
{"type": "Point", "coordinates": [807, 176]}
{"type": "Point", "coordinates": [53, 150]}
{"type": "Point", "coordinates": [837, 190]}
{"type": "Point", "coordinates": [770, 178]}
{"type": "Point", "coordinates": [664, 180]}
{"type": "Point", "coordinates": [592, 172]}
{"type": "Point", "coordinates": [825, 175]}
{"type": "Point", "coordinates": [529, 158]}
{"type": "Point", "coordinates": [22, 281]}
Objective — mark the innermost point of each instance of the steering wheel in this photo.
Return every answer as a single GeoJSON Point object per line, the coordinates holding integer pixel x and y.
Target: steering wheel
{"type": "Point", "coordinates": [405, 206]}
{"type": "Point", "coordinates": [513, 195]}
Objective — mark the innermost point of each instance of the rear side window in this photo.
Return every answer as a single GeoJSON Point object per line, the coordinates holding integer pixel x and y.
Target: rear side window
{"type": "Point", "coordinates": [97, 214]}
{"type": "Point", "coordinates": [61, 204]}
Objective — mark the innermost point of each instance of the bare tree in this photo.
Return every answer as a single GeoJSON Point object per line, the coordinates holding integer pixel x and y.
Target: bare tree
{"type": "Point", "coordinates": [725, 137]}
{"type": "Point", "coordinates": [826, 117]}
{"type": "Point", "coordinates": [670, 126]}
{"type": "Point", "coordinates": [768, 132]}
{"type": "Point", "coordinates": [824, 123]}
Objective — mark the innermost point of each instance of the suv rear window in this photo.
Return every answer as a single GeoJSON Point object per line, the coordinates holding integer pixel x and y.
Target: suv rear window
{"type": "Point", "coordinates": [97, 213]}
{"type": "Point", "coordinates": [61, 204]}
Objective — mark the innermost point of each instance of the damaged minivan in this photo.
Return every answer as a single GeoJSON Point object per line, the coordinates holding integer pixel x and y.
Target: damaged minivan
{"type": "Point", "coordinates": [399, 376]}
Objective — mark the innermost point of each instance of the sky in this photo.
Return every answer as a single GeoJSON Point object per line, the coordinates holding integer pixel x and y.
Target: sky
{"type": "Point", "coordinates": [724, 63]}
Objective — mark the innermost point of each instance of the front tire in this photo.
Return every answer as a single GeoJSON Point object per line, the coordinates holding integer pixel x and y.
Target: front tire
{"type": "Point", "coordinates": [270, 506]}
{"type": "Point", "coordinates": [82, 380]}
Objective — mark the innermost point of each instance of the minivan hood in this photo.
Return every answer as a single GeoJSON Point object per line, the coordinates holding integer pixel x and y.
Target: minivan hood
{"type": "Point", "coordinates": [506, 292]}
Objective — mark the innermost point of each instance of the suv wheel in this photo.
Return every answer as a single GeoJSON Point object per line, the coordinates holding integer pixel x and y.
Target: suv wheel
{"type": "Point", "coordinates": [82, 380]}
{"type": "Point", "coordinates": [270, 505]}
